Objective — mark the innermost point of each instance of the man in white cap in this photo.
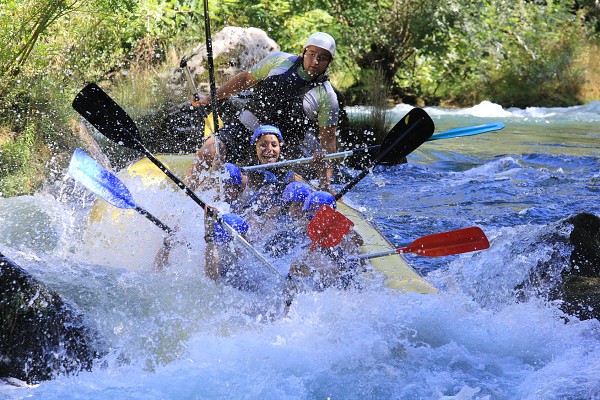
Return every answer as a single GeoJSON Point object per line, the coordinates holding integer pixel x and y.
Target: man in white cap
{"type": "Point", "coordinates": [289, 91]}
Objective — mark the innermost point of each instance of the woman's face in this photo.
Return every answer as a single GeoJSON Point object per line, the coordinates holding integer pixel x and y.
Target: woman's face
{"type": "Point", "coordinates": [267, 149]}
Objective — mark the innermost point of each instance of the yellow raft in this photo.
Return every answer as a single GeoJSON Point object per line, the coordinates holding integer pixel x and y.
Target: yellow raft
{"type": "Point", "coordinates": [396, 270]}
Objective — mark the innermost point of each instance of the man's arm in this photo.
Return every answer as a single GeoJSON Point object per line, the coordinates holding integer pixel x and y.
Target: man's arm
{"type": "Point", "coordinates": [328, 145]}
{"type": "Point", "coordinates": [242, 81]}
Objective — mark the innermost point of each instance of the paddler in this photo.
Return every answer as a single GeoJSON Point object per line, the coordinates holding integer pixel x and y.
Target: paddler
{"type": "Point", "coordinates": [264, 186]}
{"type": "Point", "coordinates": [292, 232]}
{"type": "Point", "coordinates": [324, 267]}
{"type": "Point", "coordinates": [289, 91]}
{"type": "Point", "coordinates": [321, 268]}
{"type": "Point", "coordinates": [222, 259]}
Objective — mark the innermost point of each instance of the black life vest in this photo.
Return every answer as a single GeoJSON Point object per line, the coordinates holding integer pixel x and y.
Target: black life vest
{"type": "Point", "coordinates": [278, 100]}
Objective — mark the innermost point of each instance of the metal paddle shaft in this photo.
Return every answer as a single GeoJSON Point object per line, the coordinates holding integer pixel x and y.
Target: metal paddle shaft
{"type": "Point", "coordinates": [85, 170]}
{"type": "Point", "coordinates": [468, 131]}
{"type": "Point", "coordinates": [184, 65]}
{"type": "Point", "coordinates": [409, 133]}
{"type": "Point", "coordinates": [211, 77]}
{"type": "Point", "coordinates": [93, 104]}
{"type": "Point", "coordinates": [306, 160]}
{"type": "Point", "coordinates": [441, 244]}
{"type": "Point", "coordinates": [451, 133]}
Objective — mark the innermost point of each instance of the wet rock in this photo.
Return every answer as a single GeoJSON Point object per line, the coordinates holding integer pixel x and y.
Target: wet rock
{"type": "Point", "coordinates": [580, 287]}
{"type": "Point", "coordinates": [581, 296]}
{"type": "Point", "coordinates": [234, 49]}
{"type": "Point", "coordinates": [41, 336]}
{"type": "Point", "coordinates": [571, 272]}
{"type": "Point", "coordinates": [585, 237]}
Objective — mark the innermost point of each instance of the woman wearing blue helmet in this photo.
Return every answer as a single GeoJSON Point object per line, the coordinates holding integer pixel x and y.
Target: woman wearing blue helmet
{"type": "Point", "coordinates": [264, 186]}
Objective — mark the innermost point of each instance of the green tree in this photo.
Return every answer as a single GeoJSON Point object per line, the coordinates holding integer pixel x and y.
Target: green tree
{"type": "Point", "coordinates": [508, 51]}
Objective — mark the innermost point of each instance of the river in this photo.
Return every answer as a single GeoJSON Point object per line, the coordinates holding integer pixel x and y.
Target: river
{"type": "Point", "coordinates": [176, 335]}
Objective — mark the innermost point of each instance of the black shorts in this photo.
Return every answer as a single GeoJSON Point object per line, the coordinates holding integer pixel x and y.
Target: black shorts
{"type": "Point", "coordinates": [236, 138]}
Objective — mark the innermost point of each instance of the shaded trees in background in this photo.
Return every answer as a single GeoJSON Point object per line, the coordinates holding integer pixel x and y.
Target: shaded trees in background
{"type": "Point", "coordinates": [509, 52]}
{"type": "Point", "coordinates": [458, 52]}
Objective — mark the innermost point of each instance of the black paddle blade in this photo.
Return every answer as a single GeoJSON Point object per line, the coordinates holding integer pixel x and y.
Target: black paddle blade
{"type": "Point", "coordinates": [401, 140]}
{"type": "Point", "coordinates": [93, 104]}
{"type": "Point", "coordinates": [409, 133]}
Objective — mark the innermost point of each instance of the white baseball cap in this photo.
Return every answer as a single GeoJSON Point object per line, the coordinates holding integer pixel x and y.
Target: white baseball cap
{"type": "Point", "coordinates": [322, 40]}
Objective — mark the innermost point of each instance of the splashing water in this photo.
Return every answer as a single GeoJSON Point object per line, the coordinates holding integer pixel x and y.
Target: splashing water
{"type": "Point", "coordinates": [177, 335]}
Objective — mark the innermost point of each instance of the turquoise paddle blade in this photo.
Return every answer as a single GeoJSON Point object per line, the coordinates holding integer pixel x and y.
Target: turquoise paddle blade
{"type": "Point", "coordinates": [85, 170]}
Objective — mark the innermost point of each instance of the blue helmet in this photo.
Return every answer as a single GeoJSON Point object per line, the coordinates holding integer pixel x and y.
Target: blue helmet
{"type": "Point", "coordinates": [235, 174]}
{"type": "Point", "coordinates": [266, 130]}
{"type": "Point", "coordinates": [296, 191]}
{"type": "Point", "coordinates": [235, 221]}
{"type": "Point", "coordinates": [315, 199]}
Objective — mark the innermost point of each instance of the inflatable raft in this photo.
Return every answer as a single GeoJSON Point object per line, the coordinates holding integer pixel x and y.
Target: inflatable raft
{"type": "Point", "coordinates": [395, 269]}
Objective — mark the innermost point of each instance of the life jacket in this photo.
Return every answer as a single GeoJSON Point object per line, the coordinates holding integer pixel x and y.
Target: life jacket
{"type": "Point", "coordinates": [278, 100]}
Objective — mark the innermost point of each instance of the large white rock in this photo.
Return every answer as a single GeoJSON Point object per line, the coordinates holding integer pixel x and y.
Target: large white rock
{"type": "Point", "coordinates": [234, 49]}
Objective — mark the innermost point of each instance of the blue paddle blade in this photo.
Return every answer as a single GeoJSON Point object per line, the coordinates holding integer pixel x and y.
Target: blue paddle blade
{"type": "Point", "coordinates": [468, 131]}
{"type": "Point", "coordinates": [85, 170]}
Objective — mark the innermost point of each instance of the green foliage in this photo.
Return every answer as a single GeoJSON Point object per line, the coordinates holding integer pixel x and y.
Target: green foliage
{"type": "Point", "coordinates": [497, 49]}
{"type": "Point", "coordinates": [513, 52]}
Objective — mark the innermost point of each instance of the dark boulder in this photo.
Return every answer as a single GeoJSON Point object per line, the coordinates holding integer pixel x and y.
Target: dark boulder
{"type": "Point", "coordinates": [571, 274]}
{"type": "Point", "coordinates": [585, 237]}
{"type": "Point", "coordinates": [580, 287]}
{"type": "Point", "coordinates": [41, 336]}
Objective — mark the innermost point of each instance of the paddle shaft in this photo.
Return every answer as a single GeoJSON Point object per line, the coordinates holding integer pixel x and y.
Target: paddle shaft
{"type": "Point", "coordinates": [468, 131]}
{"type": "Point", "coordinates": [307, 160]}
{"type": "Point", "coordinates": [440, 244]}
{"type": "Point", "coordinates": [155, 220]}
{"type": "Point", "coordinates": [451, 133]}
{"type": "Point", "coordinates": [211, 78]}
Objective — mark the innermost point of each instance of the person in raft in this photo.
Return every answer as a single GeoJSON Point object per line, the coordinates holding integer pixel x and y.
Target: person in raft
{"type": "Point", "coordinates": [222, 259]}
{"type": "Point", "coordinates": [325, 267]}
{"type": "Point", "coordinates": [291, 92]}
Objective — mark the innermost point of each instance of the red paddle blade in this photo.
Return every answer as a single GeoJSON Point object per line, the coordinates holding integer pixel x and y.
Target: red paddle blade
{"type": "Point", "coordinates": [448, 243]}
{"type": "Point", "coordinates": [328, 227]}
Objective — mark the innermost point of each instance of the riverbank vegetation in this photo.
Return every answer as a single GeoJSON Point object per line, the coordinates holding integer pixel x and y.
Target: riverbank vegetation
{"type": "Point", "coordinates": [455, 53]}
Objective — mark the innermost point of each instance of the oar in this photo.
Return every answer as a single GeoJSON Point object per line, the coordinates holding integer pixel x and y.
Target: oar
{"type": "Point", "coordinates": [85, 170]}
{"type": "Point", "coordinates": [468, 131]}
{"type": "Point", "coordinates": [440, 244]}
{"type": "Point", "coordinates": [409, 133]}
{"type": "Point", "coordinates": [211, 77]}
{"type": "Point", "coordinates": [451, 133]}
{"type": "Point", "coordinates": [93, 104]}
